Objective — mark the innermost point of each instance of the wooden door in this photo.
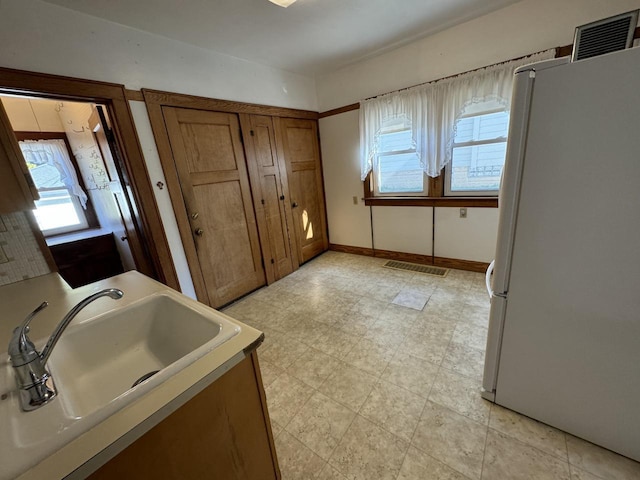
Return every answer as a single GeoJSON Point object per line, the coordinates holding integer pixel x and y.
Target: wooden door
{"type": "Point", "coordinates": [209, 160]}
{"type": "Point", "coordinates": [300, 149]}
{"type": "Point", "coordinates": [271, 196]}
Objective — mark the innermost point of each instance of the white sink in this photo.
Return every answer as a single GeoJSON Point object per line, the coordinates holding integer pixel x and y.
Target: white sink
{"type": "Point", "coordinates": [98, 361]}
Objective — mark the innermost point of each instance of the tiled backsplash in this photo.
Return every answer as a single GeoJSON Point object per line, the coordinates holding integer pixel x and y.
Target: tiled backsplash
{"type": "Point", "coordinates": [20, 256]}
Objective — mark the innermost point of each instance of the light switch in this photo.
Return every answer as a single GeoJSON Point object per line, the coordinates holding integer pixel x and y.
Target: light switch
{"type": "Point", "coordinates": [355, 200]}
{"type": "Point", "coordinates": [463, 213]}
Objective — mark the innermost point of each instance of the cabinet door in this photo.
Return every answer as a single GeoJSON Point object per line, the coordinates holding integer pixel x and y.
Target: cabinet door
{"type": "Point", "coordinates": [271, 196]}
{"type": "Point", "coordinates": [18, 190]}
{"type": "Point", "coordinates": [210, 163]}
{"type": "Point", "coordinates": [299, 146]}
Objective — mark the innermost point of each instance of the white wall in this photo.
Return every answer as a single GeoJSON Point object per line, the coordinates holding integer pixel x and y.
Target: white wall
{"type": "Point", "coordinates": [525, 27]}
{"type": "Point", "coordinates": [41, 37]}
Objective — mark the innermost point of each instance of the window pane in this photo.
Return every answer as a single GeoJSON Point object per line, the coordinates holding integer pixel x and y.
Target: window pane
{"type": "Point", "coordinates": [400, 173]}
{"type": "Point", "coordinates": [395, 141]}
{"type": "Point", "coordinates": [477, 168]}
{"type": "Point", "coordinates": [482, 127]}
{"type": "Point", "coordinates": [55, 209]}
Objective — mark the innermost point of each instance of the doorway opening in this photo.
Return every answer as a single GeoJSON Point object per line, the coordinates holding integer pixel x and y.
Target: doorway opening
{"type": "Point", "coordinates": [84, 212]}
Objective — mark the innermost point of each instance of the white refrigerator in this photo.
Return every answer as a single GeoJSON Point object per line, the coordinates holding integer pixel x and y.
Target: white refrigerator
{"type": "Point", "coordinates": [564, 331]}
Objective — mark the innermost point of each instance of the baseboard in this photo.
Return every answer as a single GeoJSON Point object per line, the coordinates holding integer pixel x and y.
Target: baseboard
{"type": "Point", "coordinates": [458, 264]}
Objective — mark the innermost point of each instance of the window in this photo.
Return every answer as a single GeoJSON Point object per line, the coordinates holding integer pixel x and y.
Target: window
{"type": "Point", "coordinates": [397, 166]}
{"type": "Point", "coordinates": [478, 154]}
{"type": "Point", "coordinates": [61, 208]}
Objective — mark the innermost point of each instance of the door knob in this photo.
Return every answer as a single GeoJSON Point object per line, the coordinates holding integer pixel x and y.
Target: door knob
{"type": "Point", "coordinates": [294, 204]}
{"type": "Point", "coordinates": [198, 232]}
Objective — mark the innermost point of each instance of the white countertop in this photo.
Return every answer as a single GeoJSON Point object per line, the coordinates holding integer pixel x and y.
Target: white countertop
{"type": "Point", "coordinates": [83, 454]}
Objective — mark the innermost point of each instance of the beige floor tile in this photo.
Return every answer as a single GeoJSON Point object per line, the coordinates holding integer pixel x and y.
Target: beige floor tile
{"type": "Point", "coordinates": [269, 372]}
{"type": "Point", "coordinates": [314, 367]}
{"type": "Point", "coordinates": [336, 343]}
{"type": "Point", "coordinates": [460, 394]}
{"type": "Point", "coordinates": [434, 326]}
{"type": "Point", "coordinates": [411, 373]}
{"type": "Point", "coordinates": [531, 432]}
{"type": "Point", "coordinates": [385, 335]}
{"type": "Point", "coordinates": [418, 465]}
{"type": "Point", "coordinates": [478, 315]}
{"type": "Point", "coordinates": [283, 351]}
{"type": "Point", "coordinates": [452, 439]}
{"type": "Point", "coordinates": [427, 348]}
{"type": "Point", "coordinates": [307, 331]}
{"type": "Point", "coordinates": [470, 335]}
{"type": "Point", "coordinates": [320, 424]}
{"type": "Point", "coordinates": [354, 323]}
{"type": "Point", "coordinates": [349, 386]}
{"type": "Point", "coordinates": [393, 408]}
{"type": "Point", "coordinates": [411, 298]}
{"type": "Point", "coordinates": [464, 360]}
{"type": "Point", "coordinates": [369, 356]}
{"type": "Point", "coordinates": [330, 473]}
{"type": "Point", "coordinates": [601, 462]}
{"type": "Point", "coordinates": [506, 457]}
{"type": "Point", "coordinates": [276, 428]}
{"type": "Point", "coordinates": [368, 452]}
{"type": "Point", "coordinates": [398, 317]}
{"type": "Point", "coordinates": [285, 397]}
{"type": "Point", "coordinates": [296, 461]}
{"type": "Point", "coordinates": [578, 474]}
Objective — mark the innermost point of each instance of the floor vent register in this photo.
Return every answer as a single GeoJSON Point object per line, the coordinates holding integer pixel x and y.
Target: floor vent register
{"type": "Point", "coordinates": [414, 267]}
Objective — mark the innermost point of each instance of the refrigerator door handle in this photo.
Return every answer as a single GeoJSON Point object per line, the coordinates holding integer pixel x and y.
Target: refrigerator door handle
{"type": "Point", "coordinates": [487, 278]}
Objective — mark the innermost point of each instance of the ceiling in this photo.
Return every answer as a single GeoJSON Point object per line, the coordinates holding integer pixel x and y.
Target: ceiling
{"type": "Point", "coordinates": [310, 37]}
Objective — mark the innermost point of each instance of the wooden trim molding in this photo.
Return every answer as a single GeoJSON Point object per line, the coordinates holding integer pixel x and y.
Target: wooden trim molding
{"type": "Point", "coordinates": [337, 111]}
{"type": "Point", "coordinates": [457, 264]}
{"type": "Point", "coordinates": [158, 261]}
{"type": "Point", "coordinates": [134, 95]}
{"type": "Point", "coordinates": [470, 202]}
{"type": "Point", "coordinates": [156, 97]}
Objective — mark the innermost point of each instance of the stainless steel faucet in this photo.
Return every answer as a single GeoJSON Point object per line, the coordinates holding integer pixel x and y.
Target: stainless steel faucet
{"type": "Point", "coordinates": [35, 384]}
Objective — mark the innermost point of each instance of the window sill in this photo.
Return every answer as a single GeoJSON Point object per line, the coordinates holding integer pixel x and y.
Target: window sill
{"type": "Point", "coordinates": [486, 202]}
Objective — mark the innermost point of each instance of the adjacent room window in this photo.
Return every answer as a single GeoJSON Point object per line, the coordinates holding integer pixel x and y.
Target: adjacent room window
{"type": "Point", "coordinates": [478, 154]}
{"type": "Point", "coordinates": [397, 166]}
{"type": "Point", "coordinates": [62, 204]}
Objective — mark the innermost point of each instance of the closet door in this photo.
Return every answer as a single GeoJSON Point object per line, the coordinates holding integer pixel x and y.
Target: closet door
{"type": "Point", "coordinates": [299, 147]}
{"type": "Point", "coordinates": [270, 194]}
{"type": "Point", "coordinates": [209, 159]}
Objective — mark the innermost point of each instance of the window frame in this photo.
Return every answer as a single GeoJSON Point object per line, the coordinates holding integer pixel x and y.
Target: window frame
{"type": "Point", "coordinates": [449, 167]}
{"type": "Point", "coordinates": [88, 214]}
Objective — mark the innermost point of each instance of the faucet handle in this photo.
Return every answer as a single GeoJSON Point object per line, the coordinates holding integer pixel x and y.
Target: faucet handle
{"type": "Point", "coordinates": [21, 348]}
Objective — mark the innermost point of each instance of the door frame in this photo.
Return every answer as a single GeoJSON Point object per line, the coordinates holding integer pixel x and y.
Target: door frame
{"type": "Point", "coordinates": [155, 101]}
{"type": "Point", "coordinates": [156, 260]}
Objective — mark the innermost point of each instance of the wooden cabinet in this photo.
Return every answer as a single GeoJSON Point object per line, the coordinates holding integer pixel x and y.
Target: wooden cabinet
{"type": "Point", "coordinates": [271, 197]}
{"type": "Point", "coordinates": [246, 186]}
{"type": "Point", "coordinates": [17, 189]}
{"type": "Point", "coordinates": [301, 151]}
{"type": "Point", "coordinates": [87, 260]}
{"type": "Point", "coordinates": [224, 432]}
{"type": "Point", "coordinates": [212, 172]}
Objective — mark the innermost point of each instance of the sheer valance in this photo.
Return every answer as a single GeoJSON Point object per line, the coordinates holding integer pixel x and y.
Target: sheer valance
{"type": "Point", "coordinates": [432, 110]}
{"type": "Point", "coordinates": [51, 166]}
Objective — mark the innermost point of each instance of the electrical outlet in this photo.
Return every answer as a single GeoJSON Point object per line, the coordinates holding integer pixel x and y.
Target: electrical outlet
{"type": "Point", "coordinates": [355, 200]}
{"type": "Point", "coordinates": [463, 213]}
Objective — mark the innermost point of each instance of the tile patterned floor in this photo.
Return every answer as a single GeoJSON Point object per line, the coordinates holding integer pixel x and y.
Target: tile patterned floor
{"type": "Point", "coordinates": [362, 385]}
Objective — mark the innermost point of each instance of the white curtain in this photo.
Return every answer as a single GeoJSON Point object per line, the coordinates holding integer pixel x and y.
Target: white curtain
{"type": "Point", "coordinates": [54, 154]}
{"type": "Point", "coordinates": [433, 109]}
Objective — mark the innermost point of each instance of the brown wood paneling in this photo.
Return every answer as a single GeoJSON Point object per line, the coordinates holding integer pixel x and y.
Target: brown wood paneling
{"type": "Point", "coordinates": [217, 220]}
{"type": "Point", "coordinates": [470, 202]}
{"type": "Point", "coordinates": [299, 147]}
{"type": "Point", "coordinates": [189, 101]}
{"type": "Point", "coordinates": [223, 433]}
{"type": "Point", "coordinates": [271, 195]}
{"type": "Point", "coordinates": [469, 265]}
{"type": "Point", "coordinates": [148, 221]}
{"type": "Point", "coordinates": [337, 111]}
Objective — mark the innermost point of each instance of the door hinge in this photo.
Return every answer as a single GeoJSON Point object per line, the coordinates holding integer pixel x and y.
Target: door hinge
{"type": "Point", "coordinates": [262, 201]}
{"type": "Point", "coordinates": [252, 133]}
{"type": "Point", "coordinates": [272, 261]}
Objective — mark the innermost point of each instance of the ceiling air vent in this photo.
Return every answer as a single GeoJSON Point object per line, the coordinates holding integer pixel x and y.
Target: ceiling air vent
{"type": "Point", "coordinates": [604, 36]}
